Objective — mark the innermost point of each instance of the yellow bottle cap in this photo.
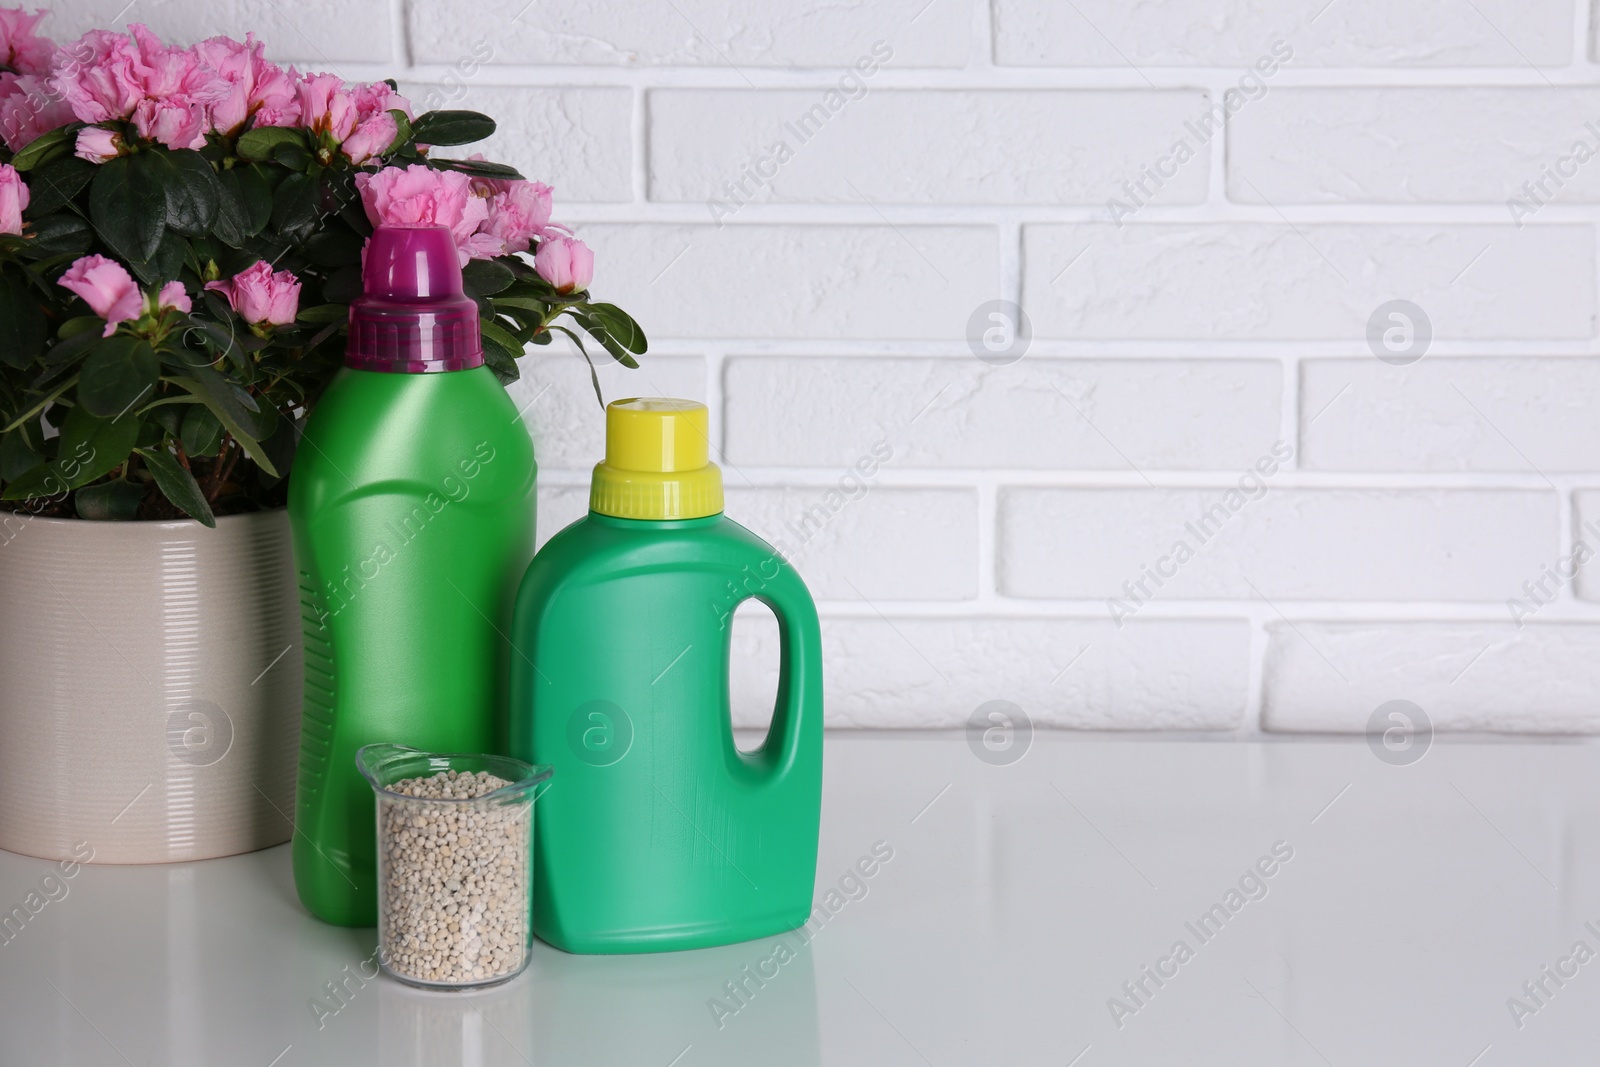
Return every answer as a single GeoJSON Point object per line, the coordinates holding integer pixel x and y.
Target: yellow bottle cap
{"type": "Point", "coordinates": [656, 464]}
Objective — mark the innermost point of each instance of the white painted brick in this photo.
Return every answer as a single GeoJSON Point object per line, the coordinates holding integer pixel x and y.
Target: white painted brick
{"type": "Point", "coordinates": [1264, 281]}
{"type": "Point", "coordinates": [882, 544]}
{"type": "Point", "coordinates": [313, 34]}
{"type": "Point", "coordinates": [903, 672]}
{"type": "Point", "coordinates": [557, 401]}
{"type": "Point", "coordinates": [1236, 33]}
{"type": "Point", "coordinates": [730, 147]}
{"type": "Point", "coordinates": [1317, 544]}
{"type": "Point", "coordinates": [863, 281]}
{"type": "Point", "coordinates": [1038, 412]}
{"type": "Point", "coordinates": [578, 141]}
{"type": "Point", "coordinates": [1524, 414]}
{"type": "Point", "coordinates": [559, 507]}
{"type": "Point", "coordinates": [1331, 676]}
{"type": "Point", "coordinates": [711, 33]}
{"type": "Point", "coordinates": [855, 539]}
{"type": "Point", "coordinates": [1390, 145]}
{"type": "Point", "coordinates": [1586, 522]}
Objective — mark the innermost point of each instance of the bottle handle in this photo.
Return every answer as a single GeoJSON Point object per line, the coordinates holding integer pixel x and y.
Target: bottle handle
{"type": "Point", "coordinates": [797, 712]}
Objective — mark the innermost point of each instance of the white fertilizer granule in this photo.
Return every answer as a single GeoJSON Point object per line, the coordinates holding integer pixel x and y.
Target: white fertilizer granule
{"type": "Point", "coordinates": [454, 907]}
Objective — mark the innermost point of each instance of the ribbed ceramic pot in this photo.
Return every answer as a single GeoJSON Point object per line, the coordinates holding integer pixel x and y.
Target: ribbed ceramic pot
{"type": "Point", "coordinates": [150, 679]}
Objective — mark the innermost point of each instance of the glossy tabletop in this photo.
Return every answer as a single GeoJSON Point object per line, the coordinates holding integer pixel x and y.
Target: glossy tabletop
{"type": "Point", "coordinates": [1096, 902]}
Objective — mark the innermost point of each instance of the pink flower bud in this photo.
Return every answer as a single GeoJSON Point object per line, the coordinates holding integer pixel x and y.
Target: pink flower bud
{"type": "Point", "coordinates": [565, 262]}
{"type": "Point", "coordinates": [107, 288]}
{"type": "Point", "coordinates": [13, 198]}
{"type": "Point", "coordinates": [98, 144]}
{"type": "Point", "coordinates": [260, 296]}
{"type": "Point", "coordinates": [173, 295]}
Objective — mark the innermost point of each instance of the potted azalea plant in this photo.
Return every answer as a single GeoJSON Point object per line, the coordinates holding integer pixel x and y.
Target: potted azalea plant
{"type": "Point", "coordinates": [181, 232]}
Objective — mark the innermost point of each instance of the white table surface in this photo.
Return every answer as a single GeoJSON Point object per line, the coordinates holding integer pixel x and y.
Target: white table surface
{"type": "Point", "coordinates": [1018, 901]}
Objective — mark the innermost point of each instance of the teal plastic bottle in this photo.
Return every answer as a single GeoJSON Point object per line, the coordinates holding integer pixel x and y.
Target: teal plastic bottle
{"type": "Point", "coordinates": [658, 833]}
{"type": "Point", "coordinates": [412, 505]}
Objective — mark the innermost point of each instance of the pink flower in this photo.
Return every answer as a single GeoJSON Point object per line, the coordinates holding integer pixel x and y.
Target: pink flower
{"type": "Point", "coordinates": [422, 196]}
{"type": "Point", "coordinates": [175, 122]}
{"type": "Point", "coordinates": [355, 118]}
{"type": "Point", "coordinates": [29, 106]}
{"type": "Point", "coordinates": [107, 288]}
{"type": "Point", "coordinates": [371, 138]}
{"type": "Point", "coordinates": [174, 295]}
{"type": "Point", "coordinates": [261, 296]}
{"type": "Point", "coordinates": [98, 144]}
{"type": "Point", "coordinates": [21, 49]}
{"type": "Point", "coordinates": [565, 262]}
{"type": "Point", "coordinates": [13, 198]}
{"type": "Point", "coordinates": [326, 106]}
{"type": "Point", "coordinates": [254, 86]}
{"type": "Point", "coordinates": [97, 76]}
{"type": "Point", "coordinates": [375, 97]}
{"type": "Point", "coordinates": [178, 89]}
{"type": "Point", "coordinates": [519, 213]}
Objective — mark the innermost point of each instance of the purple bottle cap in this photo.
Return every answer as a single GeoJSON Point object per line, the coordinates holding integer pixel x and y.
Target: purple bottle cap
{"type": "Point", "coordinates": [412, 316]}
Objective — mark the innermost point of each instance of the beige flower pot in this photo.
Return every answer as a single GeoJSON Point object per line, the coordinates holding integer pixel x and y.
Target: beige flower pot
{"type": "Point", "coordinates": [150, 680]}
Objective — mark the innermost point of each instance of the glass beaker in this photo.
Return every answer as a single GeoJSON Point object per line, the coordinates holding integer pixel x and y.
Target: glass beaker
{"type": "Point", "coordinates": [455, 864]}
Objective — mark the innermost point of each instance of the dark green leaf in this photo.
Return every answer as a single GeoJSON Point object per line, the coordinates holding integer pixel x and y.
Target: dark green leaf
{"type": "Point", "coordinates": [17, 453]}
{"type": "Point", "coordinates": [178, 485]}
{"type": "Point", "coordinates": [89, 447]}
{"type": "Point", "coordinates": [117, 499]}
{"type": "Point", "coordinates": [280, 447]}
{"type": "Point", "coordinates": [63, 234]}
{"type": "Point", "coordinates": [531, 304]}
{"type": "Point", "coordinates": [65, 353]}
{"type": "Point", "coordinates": [620, 325]}
{"type": "Point", "coordinates": [293, 156]}
{"type": "Point", "coordinates": [151, 433]}
{"type": "Point", "coordinates": [478, 168]}
{"type": "Point", "coordinates": [222, 398]}
{"type": "Point", "coordinates": [335, 246]}
{"type": "Point", "coordinates": [204, 342]}
{"type": "Point", "coordinates": [81, 324]}
{"type": "Point", "coordinates": [485, 277]}
{"type": "Point", "coordinates": [261, 144]}
{"type": "Point", "coordinates": [52, 185]}
{"type": "Point", "coordinates": [245, 204]}
{"type": "Point", "coordinates": [23, 326]}
{"type": "Point", "coordinates": [128, 205]}
{"type": "Point", "coordinates": [493, 331]}
{"type": "Point", "coordinates": [35, 151]}
{"type": "Point", "coordinates": [451, 127]}
{"type": "Point", "coordinates": [324, 313]}
{"type": "Point", "coordinates": [168, 417]}
{"type": "Point", "coordinates": [119, 372]}
{"type": "Point", "coordinates": [295, 207]}
{"type": "Point", "coordinates": [166, 264]}
{"type": "Point", "coordinates": [343, 285]}
{"type": "Point", "coordinates": [403, 133]}
{"type": "Point", "coordinates": [202, 431]}
{"type": "Point", "coordinates": [594, 377]}
{"type": "Point", "coordinates": [193, 192]}
{"type": "Point", "coordinates": [500, 359]}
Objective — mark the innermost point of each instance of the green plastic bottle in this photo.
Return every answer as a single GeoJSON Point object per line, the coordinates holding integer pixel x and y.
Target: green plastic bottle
{"type": "Point", "coordinates": [658, 833]}
{"type": "Point", "coordinates": [412, 504]}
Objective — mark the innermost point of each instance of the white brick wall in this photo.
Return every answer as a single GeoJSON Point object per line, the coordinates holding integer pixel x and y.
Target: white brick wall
{"type": "Point", "coordinates": [807, 205]}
